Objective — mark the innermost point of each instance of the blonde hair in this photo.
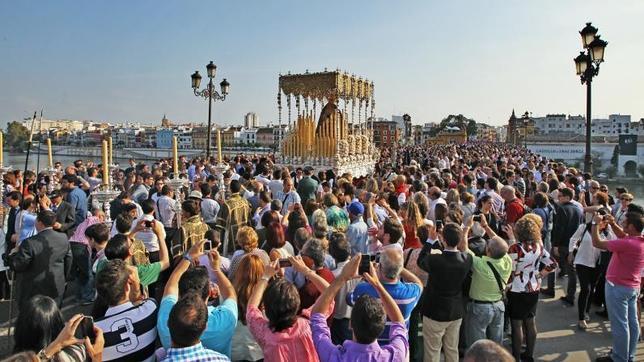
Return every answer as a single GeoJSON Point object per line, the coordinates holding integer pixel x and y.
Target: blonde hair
{"type": "Point", "coordinates": [528, 228]}
{"type": "Point", "coordinates": [247, 238]}
{"type": "Point", "coordinates": [453, 196]}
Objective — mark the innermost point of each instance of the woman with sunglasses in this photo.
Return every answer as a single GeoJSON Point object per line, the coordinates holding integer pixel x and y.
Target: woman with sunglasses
{"type": "Point", "coordinates": [625, 199]}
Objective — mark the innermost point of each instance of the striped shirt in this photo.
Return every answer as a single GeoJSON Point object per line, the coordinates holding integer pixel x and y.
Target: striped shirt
{"type": "Point", "coordinates": [130, 331]}
{"type": "Point", "coordinates": [406, 296]}
{"type": "Point", "coordinates": [79, 233]}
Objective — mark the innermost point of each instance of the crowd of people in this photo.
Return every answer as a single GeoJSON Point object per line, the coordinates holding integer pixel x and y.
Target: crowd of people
{"type": "Point", "coordinates": [441, 251]}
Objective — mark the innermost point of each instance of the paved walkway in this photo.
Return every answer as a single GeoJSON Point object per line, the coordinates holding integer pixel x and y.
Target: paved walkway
{"type": "Point", "coordinates": [560, 340]}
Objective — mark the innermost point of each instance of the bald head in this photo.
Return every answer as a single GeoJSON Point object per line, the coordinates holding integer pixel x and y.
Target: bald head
{"type": "Point", "coordinates": [507, 193]}
{"type": "Point", "coordinates": [391, 263]}
{"type": "Point", "coordinates": [497, 247]}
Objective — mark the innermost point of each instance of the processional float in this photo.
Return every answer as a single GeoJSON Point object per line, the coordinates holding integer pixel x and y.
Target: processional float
{"type": "Point", "coordinates": [336, 141]}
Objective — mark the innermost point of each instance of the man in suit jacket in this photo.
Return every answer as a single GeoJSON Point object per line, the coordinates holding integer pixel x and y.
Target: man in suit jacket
{"type": "Point", "coordinates": [42, 262]}
{"type": "Point", "coordinates": [65, 214]}
{"type": "Point", "coordinates": [307, 187]}
{"type": "Point", "coordinates": [13, 200]}
{"type": "Point", "coordinates": [443, 298]}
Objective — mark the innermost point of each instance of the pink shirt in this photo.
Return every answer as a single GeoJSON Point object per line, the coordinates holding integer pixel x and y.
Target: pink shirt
{"type": "Point", "coordinates": [79, 233]}
{"type": "Point", "coordinates": [292, 344]}
{"type": "Point", "coordinates": [627, 261]}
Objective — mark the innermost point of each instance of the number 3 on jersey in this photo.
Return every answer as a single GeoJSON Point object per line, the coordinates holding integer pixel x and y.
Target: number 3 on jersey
{"type": "Point", "coordinates": [130, 340]}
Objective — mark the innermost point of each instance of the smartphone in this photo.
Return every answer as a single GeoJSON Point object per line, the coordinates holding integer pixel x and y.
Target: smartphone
{"type": "Point", "coordinates": [148, 223]}
{"type": "Point", "coordinates": [207, 246]}
{"type": "Point", "coordinates": [439, 224]}
{"type": "Point", "coordinates": [365, 263]}
{"type": "Point", "coordinates": [285, 263]}
{"type": "Point", "coordinates": [476, 218]}
{"type": "Point", "coordinates": [86, 329]}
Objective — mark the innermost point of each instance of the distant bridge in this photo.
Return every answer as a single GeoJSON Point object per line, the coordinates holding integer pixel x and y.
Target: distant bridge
{"type": "Point", "coordinates": [145, 153]}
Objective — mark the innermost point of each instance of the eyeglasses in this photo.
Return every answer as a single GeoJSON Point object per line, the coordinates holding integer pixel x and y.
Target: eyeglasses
{"type": "Point", "coordinates": [595, 188]}
{"type": "Point", "coordinates": [626, 199]}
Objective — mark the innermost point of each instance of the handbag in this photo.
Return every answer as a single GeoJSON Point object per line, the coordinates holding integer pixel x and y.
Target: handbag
{"type": "Point", "coordinates": [499, 282]}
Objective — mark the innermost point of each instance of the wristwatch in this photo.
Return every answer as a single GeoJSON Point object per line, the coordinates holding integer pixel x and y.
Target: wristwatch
{"type": "Point", "coordinates": [42, 356]}
{"type": "Point", "coordinates": [186, 256]}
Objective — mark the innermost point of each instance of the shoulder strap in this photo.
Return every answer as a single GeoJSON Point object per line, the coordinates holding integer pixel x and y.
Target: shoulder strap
{"type": "Point", "coordinates": [408, 257]}
{"type": "Point", "coordinates": [159, 210]}
{"type": "Point", "coordinates": [499, 282]}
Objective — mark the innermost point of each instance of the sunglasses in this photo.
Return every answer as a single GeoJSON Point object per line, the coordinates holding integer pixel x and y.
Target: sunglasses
{"type": "Point", "coordinates": [626, 199]}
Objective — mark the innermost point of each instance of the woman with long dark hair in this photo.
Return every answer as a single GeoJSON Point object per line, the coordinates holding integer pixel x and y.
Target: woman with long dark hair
{"type": "Point", "coordinates": [40, 328]}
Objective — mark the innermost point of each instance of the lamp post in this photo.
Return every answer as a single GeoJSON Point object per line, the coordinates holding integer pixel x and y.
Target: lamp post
{"type": "Point", "coordinates": [526, 121]}
{"type": "Point", "coordinates": [587, 66]}
{"type": "Point", "coordinates": [210, 94]}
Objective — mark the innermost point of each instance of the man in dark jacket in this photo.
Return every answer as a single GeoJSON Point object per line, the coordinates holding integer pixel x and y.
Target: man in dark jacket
{"type": "Point", "coordinates": [42, 261]}
{"type": "Point", "coordinates": [566, 223]}
{"type": "Point", "coordinates": [307, 187]}
{"type": "Point", "coordinates": [65, 214]}
{"type": "Point", "coordinates": [13, 200]}
{"type": "Point", "coordinates": [443, 297]}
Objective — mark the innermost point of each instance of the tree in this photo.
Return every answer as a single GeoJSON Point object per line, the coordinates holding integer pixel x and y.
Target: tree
{"type": "Point", "coordinates": [615, 159]}
{"type": "Point", "coordinates": [611, 171]}
{"type": "Point", "coordinates": [17, 136]}
{"type": "Point", "coordinates": [471, 127]}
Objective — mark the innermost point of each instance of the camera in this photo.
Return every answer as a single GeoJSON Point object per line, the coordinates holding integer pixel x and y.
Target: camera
{"type": "Point", "coordinates": [148, 223]}
{"type": "Point", "coordinates": [476, 218]}
{"type": "Point", "coordinates": [285, 263]}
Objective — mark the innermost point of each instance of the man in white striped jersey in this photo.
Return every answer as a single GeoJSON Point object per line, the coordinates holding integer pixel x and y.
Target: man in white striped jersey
{"type": "Point", "coordinates": [129, 329]}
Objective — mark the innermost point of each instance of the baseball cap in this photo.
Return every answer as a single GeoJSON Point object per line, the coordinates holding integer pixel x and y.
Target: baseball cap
{"type": "Point", "coordinates": [195, 195]}
{"type": "Point", "coordinates": [55, 194]}
{"type": "Point", "coordinates": [356, 208]}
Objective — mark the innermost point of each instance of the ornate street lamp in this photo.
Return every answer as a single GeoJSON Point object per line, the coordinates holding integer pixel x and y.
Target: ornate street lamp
{"type": "Point", "coordinates": [211, 95]}
{"type": "Point", "coordinates": [587, 66]}
{"type": "Point", "coordinates": [526, 121]}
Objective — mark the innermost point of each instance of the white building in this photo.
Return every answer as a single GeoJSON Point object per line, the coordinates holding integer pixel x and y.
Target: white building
{"type": "Point", "coordinates": [614, 125]}
{"type": "Point", "coordinates": [184, 137]}
{"type": "Point", "coordinates": [246, 136]}
{"type": "Point", "coordinates": [251, 120]}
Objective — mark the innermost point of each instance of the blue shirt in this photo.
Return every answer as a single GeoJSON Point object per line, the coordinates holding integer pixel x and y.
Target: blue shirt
{"type": "Point", "coordinates": [406, 296]}
{"type": "Point", "coordinates": [78, 199]}
{"type": "Point", "coordinates": [193, 353]}
{"type": "Point", "coordinates": [222, 321]}
{"type": "Point", "coordinates": [357, 236]}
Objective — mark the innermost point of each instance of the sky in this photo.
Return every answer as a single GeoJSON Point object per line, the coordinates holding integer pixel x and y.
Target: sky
{"type": "Point", "coordinates": [131, 60]}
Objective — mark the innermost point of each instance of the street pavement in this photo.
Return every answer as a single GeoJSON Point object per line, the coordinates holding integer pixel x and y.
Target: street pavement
{"type": "Point", "coordinates": [558, 338]}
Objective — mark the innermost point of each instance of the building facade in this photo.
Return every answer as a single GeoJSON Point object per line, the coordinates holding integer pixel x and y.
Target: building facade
{"type": "Point", "coordinates": [386, 133]}
{"type": "Point", "coordinates": [251, 120]}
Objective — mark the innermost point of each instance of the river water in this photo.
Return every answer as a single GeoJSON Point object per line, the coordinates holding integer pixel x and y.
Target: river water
{"type": "Point", "coordinates": [17, 160]}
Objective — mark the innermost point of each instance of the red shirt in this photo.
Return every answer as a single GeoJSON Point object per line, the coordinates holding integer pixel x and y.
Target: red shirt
{"type": "Point", "coordinates": [309, 293]}
{"type": "Point", "coordinates": [513, 211]}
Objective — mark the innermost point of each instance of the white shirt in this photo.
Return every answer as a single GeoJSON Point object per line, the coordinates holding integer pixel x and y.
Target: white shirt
{"type": "Point", "coordinates": [432, 207]}
{"type": "Point", "coordinates": [276, 187]}
{"type": "Point", "coordinates": [148, 237]}
{"type": "Point", "coordinates": [166, 212]}
{"type": "Point", "coordinates": [587, 254]}
{"type": "Point", "coordinates": [209, 210]}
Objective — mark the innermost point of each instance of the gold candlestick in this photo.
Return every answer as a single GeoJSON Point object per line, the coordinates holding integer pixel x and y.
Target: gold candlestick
{"type": "Point", "coordinates": [50, 158]}
{"type": "Point", "coordinates": [1, 149]}
{"type": "Point", "coordinates": [220, 159]}
{"type": "Point", "coordinates": [106, 170]}
{"type": "Point", "coordinates": [175, 158]}
{"type": "Point", "coordinates": [111, 150]}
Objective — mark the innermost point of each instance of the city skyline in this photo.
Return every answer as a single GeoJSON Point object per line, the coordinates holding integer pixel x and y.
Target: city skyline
{"type": "Point", "coordinates": [127, 61]}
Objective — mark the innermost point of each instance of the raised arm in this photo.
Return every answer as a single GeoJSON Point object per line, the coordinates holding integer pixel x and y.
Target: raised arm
{"type": "Point", "coordinates": [597, 242]}
{"type": "Point", "coordinates": [258, 292]}
{"type": "Point", "coordinates": [172, 286]}
{"type": "Point", "coordinates": [164, 255]}
{"type": "Point", "coordinates": [410, 277]}
{"type": "Point", "coordinates": [225, 287]}
{"type": "Point", "coordinates": [298, 264]}
{"type": "Point", "coordinates": [349, 272]}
